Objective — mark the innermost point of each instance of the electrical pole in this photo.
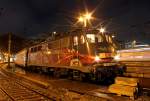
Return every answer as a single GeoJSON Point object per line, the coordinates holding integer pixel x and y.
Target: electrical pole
{"type": "Point", "coordinates": [9, 49]}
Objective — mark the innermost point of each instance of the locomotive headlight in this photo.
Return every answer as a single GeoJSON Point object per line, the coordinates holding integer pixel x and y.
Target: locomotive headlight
{"type": "Point", "coordinates": [48, 52]}
{"type": "Point", "coordinates": [97, 58]}
{"type": "Point", "coordinates": [117, 57]}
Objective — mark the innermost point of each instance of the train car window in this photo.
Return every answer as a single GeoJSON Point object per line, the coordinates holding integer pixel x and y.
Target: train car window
{"type": "Point", "coordinates": [34, 49]}
{"type": "Point", "coordinates": [39, 48]}
{"type": "Point", "coordinates": [82, 39]}
{"type": "Point", "coordinates": [91, 38]}
{"type": "Point", "coordinates": [75, 40]}
{"type": "Point", "coordinates": [31, 49]}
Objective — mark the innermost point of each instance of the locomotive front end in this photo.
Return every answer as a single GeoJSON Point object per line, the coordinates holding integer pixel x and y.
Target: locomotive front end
{"type": "Point", "coordinates": [104, 66]}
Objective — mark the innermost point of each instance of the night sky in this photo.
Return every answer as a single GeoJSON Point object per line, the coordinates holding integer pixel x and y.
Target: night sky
{"type": "Point", "coordinates": [129, 19]}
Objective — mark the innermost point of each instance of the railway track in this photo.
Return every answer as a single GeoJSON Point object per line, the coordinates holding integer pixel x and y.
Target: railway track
{"type": "Point", "coordinates": [16, 91]}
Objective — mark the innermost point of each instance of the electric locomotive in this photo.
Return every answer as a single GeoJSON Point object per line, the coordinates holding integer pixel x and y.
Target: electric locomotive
{"type": "Point", "coordinates": [83, 54]}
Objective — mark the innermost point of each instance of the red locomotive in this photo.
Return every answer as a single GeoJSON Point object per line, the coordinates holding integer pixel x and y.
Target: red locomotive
{"type": "Point", "coordinates": [79, 54]}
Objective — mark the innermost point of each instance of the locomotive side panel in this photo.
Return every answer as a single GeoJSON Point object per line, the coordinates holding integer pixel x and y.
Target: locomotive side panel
{"type": "Point", "coordinates": [52, 54]}
{"type": "Point", "coordinates": [35, 55]}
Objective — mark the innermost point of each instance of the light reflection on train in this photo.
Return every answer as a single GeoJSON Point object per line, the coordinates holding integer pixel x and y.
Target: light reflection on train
{"type": "Point", "coordinates": [135, 54]}
{"type": "Point", "coordinates": [79, 54]}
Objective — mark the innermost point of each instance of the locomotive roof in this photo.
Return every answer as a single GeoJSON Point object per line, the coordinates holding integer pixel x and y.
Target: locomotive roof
{"type": "Point", "coordinates": [58, 36]}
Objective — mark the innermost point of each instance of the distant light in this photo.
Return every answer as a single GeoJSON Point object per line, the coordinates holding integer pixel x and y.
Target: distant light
{"type": "Point", "coordinates": [80, 19]}
{"type": "Point", "coordinates": [88, 16]}
{"type": "Point", "coordinates": [141, 45]}
{"type": "Point", "coordinates": [85, 18]}
{"type": "Point", "coordinates": [134, 41]}
{"type": "Point", "coordinates": [11, 59]}
{"type": "Point", "coordinates": [54, 33]}
{"type": "Point", "coordinates": [48, 52]}
{"type": "Point", "coordinates": [113, 36]}
{"type": "Point", "coordinates": [97, 58]}
{"type": "Point", "coordinates": [117, 57]}
{"type": "Point", "coordinates": [102, 30]}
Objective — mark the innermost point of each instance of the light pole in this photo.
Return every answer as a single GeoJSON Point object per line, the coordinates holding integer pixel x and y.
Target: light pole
{"type": "Point", "coordinates": [9, 49]}
{"type": "Point", "coordinates": [84, 19]}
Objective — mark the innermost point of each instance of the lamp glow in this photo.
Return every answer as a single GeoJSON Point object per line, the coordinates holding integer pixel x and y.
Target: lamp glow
{"type": "Point", "coordinates": [102, 30]}
{"type": "Point", "coordinates": [80, 19]}
{"type": "Point", "coordinates": [97, 58]}
{"type": "Point", "coordinates": [88, 16]}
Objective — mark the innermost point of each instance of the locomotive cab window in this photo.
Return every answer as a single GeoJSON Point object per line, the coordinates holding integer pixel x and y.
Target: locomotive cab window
{"type": "Point", "coordinates": [107, 38]}
{"type": "Point", "coordinates": [75, 40]}
{"type": "Point", "coordinates": [99, 38]}
{"type": "Point", "coordinates": [91, 38]}
{"type": "Point", "coordinates": [110, 39]}
{"type": "Point", "coordinates": [82, 39]}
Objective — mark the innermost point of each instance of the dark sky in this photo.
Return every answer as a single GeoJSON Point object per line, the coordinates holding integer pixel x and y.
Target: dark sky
{"type": "Point", "coordinates": [129, 19]}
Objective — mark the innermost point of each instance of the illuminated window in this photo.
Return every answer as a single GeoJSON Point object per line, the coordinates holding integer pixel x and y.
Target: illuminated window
{"type": "Point", "coordinates": [110, 39]}
{"type": "Point", "coordinates": [107, 38]}
{"type": "Point", "coordinates": [75, 40]}
{"type": "Point", "coordinates": [100, 38]}
{"type": "Point", "coordinates": [91, 38]}
{"type": "Point", "coordinates": [82, 39]}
